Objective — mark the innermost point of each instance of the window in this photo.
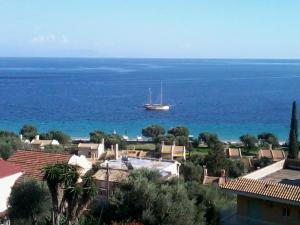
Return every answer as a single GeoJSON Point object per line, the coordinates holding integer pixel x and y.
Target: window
{"type": "Point", "coordinates": [286, 212]}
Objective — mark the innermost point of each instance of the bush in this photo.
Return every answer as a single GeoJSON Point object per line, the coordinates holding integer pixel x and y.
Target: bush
{"type": "Point", "coordinates": [9, 142]}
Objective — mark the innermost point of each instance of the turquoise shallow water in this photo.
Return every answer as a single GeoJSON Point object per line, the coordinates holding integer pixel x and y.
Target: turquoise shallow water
{"type": "Point", "coordinates": [229, 97]}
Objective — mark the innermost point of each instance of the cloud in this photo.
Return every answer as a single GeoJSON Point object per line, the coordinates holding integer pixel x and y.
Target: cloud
{"type": "Point", "coordinates": [50, 38]}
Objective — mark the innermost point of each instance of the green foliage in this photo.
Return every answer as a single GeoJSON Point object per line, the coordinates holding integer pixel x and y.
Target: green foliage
{"type": "Point", "coordinates": [62, 180]}
{"type": "Point", "coordinates": [262, 162]}
{"type": "Point", "coordinates": [268, 138]}
{"type": "Point", "coordinates": [113, 139]}
{"type": "Point", "coordinates": [167, 139]}
{"type": "Point", "coordinates": [60, 136]}
{"type": "Point", "coordinates": [109, 139]}
{"type": "Point", "coordinates": [234, 168]}
{"type": "Point", "coordinates": [9, 142]}
{"type": "Point", "coordinates": [293, 136]}
{"type": "Point", "coordinates": [153, 131]}
{"type": "Point", "coordinates": [208, 138]}
{"type": "Point", "coordinates": [145, 197]}
{"type": "Point", "coordinates": [97, 136]}
{"type": "Point", "coordinates": [215, 159]}
{"type": "Point", "coordinates": [28, 131]}
{"type": "Point", "coordinates": [5, 150]}
{"type": "Point", "coordinates": [249, 141]}
{"type": "Point", "coordinates": [29, 201]}
{"type": "Point", "coordinates": [179, 131]}
{"type": "Point", "coordinates": [54, 148]}
{"type": "Point", "coordinates": [191, 171]}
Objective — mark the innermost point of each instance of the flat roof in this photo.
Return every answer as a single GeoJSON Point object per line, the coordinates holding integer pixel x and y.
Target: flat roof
{"type": "Point", "coordinates": [138, 163]}
{"type": "Point", "coordinates": [284, 176]}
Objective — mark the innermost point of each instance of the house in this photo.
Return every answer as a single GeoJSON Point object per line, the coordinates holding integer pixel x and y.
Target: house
{"type": "Point", "coordinates": [40, 144]}
{"type": "Point", "coordinates": [32, 162]}
{"type": "Point", "coordinates": [173, 151]}
{"type": "Point", "coordinates": [166, 168]}
{"type": "Point", "coordinates": [234, 153]}
{"type": "Point", "coordinates": [274, 155]}
{"type": "Point", "coordinates": [91, 150]}
{"type": "Point", "coordinates": [9, 174]}
{"type": "Point", "coordinates": [270, 195]}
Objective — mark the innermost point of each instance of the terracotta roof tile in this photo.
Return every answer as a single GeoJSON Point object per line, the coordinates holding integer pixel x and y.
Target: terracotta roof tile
{"type": "Point", "coordinates": [264, 188]}
{"type": "Point", "coordinates": [7, 169]}
{"type": "Point", "coordinates": [32, 162]}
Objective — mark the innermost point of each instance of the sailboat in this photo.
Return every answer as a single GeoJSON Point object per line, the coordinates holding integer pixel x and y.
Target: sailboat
{"type": "Point", "coordinates": [157, 106]}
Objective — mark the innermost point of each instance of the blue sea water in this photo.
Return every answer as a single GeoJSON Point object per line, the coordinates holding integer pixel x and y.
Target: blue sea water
{"type": "Point", "coordinates": [228, 96]}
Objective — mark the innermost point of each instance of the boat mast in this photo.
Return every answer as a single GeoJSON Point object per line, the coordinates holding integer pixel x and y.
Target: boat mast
{"type": "Point", "coordinates": [161, 93]}
{"type": "Point", "coordinates": [150, 97]}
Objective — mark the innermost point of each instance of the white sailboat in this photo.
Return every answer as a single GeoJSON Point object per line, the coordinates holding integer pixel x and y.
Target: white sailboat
{"type": "Point", "coordinates": [157, 106]}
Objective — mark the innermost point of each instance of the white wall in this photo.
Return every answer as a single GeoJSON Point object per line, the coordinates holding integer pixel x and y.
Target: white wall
{"type": "Point", "coordinates": [6, 184]}
{"type": "Point", "coordinates": [173, 169]}
{"type": "Point", "coordinates": [258, 174]}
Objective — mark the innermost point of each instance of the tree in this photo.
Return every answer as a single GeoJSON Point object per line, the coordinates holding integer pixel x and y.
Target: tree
{"type": "Point", "coordinates": [9, 142]}
{"type": "Point", "coordinates": [208, 138]}
{"type": "Point", "coordinates": [28, 131]}
{"type": "Point", "coordinates": [191, 171]}
{"type": "Point", "coordinates": [113, 139]}
{"type": "Point", "coordinates": [146, 198]}
{"type": "Point", "coordinates": [54, 148]}
{"type": "Point", "coordinates": [97, 136]}
{"type": "Point", "coordinates": [215, 159]}
{"type": "Point", "coordinates": [29, 201]}
{"type": "Point", "coordinates": [293, 136]}
{"type": "Point", "coordinates": [167, 139]}
{"type": "Point", "coordinates": [249, 141]}
{"type": "Point", "coordinates": [268, 138]}
{"type": "Point", "coordinates": [179, 131]}
{"type": "Point", "coordinates": [67, 193]}
{"type": "Point", "coordinates": [60, 136]}
{"type": "Point", "coordinates": [153, 131]}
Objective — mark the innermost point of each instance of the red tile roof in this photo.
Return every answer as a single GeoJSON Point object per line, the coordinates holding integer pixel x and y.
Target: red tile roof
{"type": "Point", "coordinates": [8, 169]}
{"type": "Point", "coordinates": [32, 162]}
{"type": "Point", "coordinates": [262, 188]}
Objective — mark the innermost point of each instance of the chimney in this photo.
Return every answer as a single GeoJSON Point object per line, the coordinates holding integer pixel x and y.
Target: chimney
{"type": "Point", "coordinates": [223, 172]}
{"type": "Point", "coordinates": [174, 143]}
{"type": "Point", "coordinates": [37, 137]}
{"type": "Point", "coordinates": [222, 178]}
{"type": "Point", "coordinates": [102, 141]}
{"type": "Point", "coordinates": [270, 146]}
{"type": "Point", "coordinates": [117, 151]}
{"type": "Point", "coordinates": [204, 171]}
{"type": "Point", "coordinates": [21, 137]}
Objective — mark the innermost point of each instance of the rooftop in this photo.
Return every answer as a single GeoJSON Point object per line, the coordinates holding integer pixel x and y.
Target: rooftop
{"type": "Point", "coordinates": [91, 146]}
{"type": "Point", "coordinates": [114, 175]}
{"type": "Point", "coordinates": [138, 163]}
{"type": "Point", "coordinates": [279, 181]}
{"type": "Point", "coordinates": [32, 162]}
{"type": "Point", "coordinates": [8, 169]}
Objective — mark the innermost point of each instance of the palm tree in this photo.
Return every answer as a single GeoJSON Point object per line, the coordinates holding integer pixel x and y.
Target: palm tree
{"type": "Point", "coordinates": [67, 192]}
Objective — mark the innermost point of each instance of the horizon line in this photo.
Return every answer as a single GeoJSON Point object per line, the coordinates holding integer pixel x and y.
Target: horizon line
{"type": "Point", "coordinates": [118, 57]}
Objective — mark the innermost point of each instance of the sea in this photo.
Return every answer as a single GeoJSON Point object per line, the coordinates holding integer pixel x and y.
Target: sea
{"type": "Point", "coordinates": [230, 97]}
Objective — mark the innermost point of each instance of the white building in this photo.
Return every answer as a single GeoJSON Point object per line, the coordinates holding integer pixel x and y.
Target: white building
{"type": "Point", "coordinates": [9, 173]}
{"type": "Point", "coordinates": [42, 143]}
{"type": "Point", "coordinates": [166, 168]}
{"type": "Point", "coordinates": [91, 150]}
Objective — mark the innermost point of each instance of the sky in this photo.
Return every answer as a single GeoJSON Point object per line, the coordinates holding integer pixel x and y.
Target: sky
{"type": "Point", "coordinates": [150, 28]}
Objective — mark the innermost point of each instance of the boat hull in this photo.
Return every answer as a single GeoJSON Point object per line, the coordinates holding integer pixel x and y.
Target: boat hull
{"type": "Point", "coordinates": [157, 107]}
